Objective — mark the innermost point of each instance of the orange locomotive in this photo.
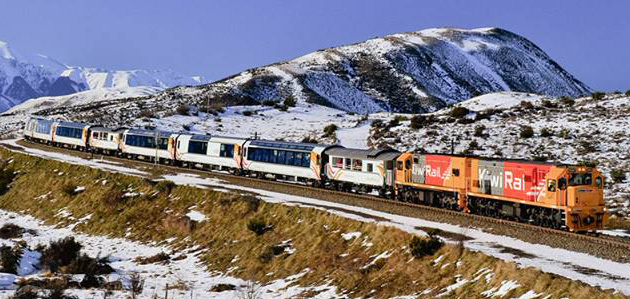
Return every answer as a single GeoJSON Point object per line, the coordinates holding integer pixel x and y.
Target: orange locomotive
{"type": "Point", "coordinates": [547, 194]}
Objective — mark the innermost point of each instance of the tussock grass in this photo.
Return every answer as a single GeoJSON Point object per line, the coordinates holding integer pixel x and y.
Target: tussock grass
{"type": "Point", "coordinates": [314, 236]}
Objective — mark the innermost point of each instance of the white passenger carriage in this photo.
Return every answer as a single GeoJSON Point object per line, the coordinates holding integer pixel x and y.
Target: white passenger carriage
{"type": "Point", "coordinates": [39, 129]}
{"type": "Point", "coordinates": [105, 140]}
{"type": "Point", "coordinates": [362, 170]}
{"type": "Point", "coordinates": [209, 152]}
{"type": "Point", "coordinates": [285, 160]}
{"type": "Point", "coordinates": [70, 134]}
{"type": "Point", "coordinates": [146, 145]}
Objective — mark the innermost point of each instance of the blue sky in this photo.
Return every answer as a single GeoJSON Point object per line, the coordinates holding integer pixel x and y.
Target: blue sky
{"type": "Point", "coordinates": [591, 39]}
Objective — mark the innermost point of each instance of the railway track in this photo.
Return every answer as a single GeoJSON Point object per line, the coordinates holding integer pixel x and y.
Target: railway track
{"type": "Point", "coordinates": [605, 246]}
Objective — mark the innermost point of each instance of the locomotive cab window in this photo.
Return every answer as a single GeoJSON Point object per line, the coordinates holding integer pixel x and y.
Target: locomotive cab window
{"type": "Point", "coordinates": [455, 171]}
{"type": "Point", "coordinates": [551, 185]}
{"type": "Point", "coordinates": [580, 179]}
{"type": "Point", "coordinates": [415, 160]}
{"type": "Point", "coordinates": [562, 184]}
{"type": "Point", "coordinates": [408, 164]}
{"type": "Point", "coordinates": [399, 165]}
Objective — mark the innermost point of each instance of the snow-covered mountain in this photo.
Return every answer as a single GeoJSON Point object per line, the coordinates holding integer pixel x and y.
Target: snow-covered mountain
{"type": "Point", "coordinates": [26, 76]}
{"type": "Point", "coordinates": [407, 72]}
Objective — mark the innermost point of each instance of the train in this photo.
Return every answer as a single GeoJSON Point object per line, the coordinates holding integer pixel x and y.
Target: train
{"type": "Point", "coordinates": [548, 194]}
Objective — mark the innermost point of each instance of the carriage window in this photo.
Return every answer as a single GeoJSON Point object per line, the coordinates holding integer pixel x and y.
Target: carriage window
{"type": "Point", "coordinates": [196, 147]}
{"type": "Point", "coordinates": [562, 184]}
{"type": "Point", "coordinates": [227, 150]}
{"type": "Point", "coordinates": [580, 179]}
{"type": "Point", "coordinates": [273, 156]}
{"type": "Point", "coordinates": [357, 165]}
{"type": "Point", "coordinates": [370, 167]}
{"type": "Point", "coordinates": [400, 165]}
{"type": "Point", "coordinates": [551, 185]}
{"type": "Point", "coordinates": [306, 159]}
{"type": "Point", "coordinates": [297, 161]}
{"type": "Point", "coordinates": [408, 164]}
{"type": "Point", "coordinates": [337, 162]}
{"type": "Point", "coordinates": [281, 159]}
{"type": "Point", "coordinates": [599, 182]}
{"type": "Point", "coordinates": [111, 137]}
{"type": "Point", "coordinates": [163, 144]}
{"type": "Point", "coordinates": [347, 164]}
{"type": "Point", "coordinates": [290, 157]}
{"type": "Point", "coordinates": [455, 171]}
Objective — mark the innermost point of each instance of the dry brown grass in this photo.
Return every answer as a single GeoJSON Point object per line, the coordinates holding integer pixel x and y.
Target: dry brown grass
{"type": "Point", "coordinates": [315, 235]}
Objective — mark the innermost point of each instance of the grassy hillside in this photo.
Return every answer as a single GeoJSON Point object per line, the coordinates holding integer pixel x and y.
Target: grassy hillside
{"type": "Point", "coordinates": [374, 261]}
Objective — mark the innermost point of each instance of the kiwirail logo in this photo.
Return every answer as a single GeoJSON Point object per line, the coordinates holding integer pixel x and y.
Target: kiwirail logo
{"type": "Point", "coordinates": [503, 180]}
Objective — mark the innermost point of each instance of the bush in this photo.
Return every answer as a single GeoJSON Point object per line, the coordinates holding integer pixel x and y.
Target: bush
{"type": "Point", "coordinates": [459, 112]}
{"type": "Point", "coordinates": [548, 104]}
{"type": "Point", "coordinates": [479, 131]}
{"type": "Point", "coordinates": [329, 130]}
{"type": "Point", "coordinates": [290, 101]}
{"type": "Point", "coordinates": [377, 123]}
{"type": "Point", "coordinates": [567, 101]}
{"type": "Point", "coordinates": [183, 110]}
{"type": "Point", "coordinates": [69, 189]}
{"type": "Point", "coordinates": [269, 103]}
{"type": "Point", "coordinates": [161, 257]}
{"type": "Point", "coordinates": [6, 178]}
{"type": "Point", "coordinates": [628, 93]}
{"type": "Point", "coordinates": [585, 147]}
{"type": "Point", "coordinates": [526, 105]}
{"type": "Point", "coordinates": [247, 113]}
{"type": "Point", "coordinates": [84, 264]}
{"type": "Point", "coordinates": [60, 253]}
{"type": "Point", "coordinates": [165, 186]}
{"type": "Point", "coordinates": [425, 247]}
{"type": "Point", "coordinates": [309, 139]}
{"type": "Point", "coordinates": [222, 287]}
{"type": "Point", "coordinates": [618, 175]}
{"type": "Point", "coordinates": [473, 145]}
{"type": "Point", "coordinates": [564, 133]}
{"type": "Point", "coordinates": [11, 231]}
{"type": "Point", "coordinates": [395, 122]}
{"type": "Point", "coordinates": [417, 121]}
{"type": "Point", "coordinates": [146, 113]}
{"type": "Point", "coordinates": [527, 132]}
{"type": "Point", "coordinates": [544, 132]}
{"type": "Point", "coordinates": [598, 96]}
{"type": "Point", "coordinates": [9, 259]}
{"type": "Point", "coordinates": [26, 292]}
{"type": "Point", "coordinates": [257, 226]}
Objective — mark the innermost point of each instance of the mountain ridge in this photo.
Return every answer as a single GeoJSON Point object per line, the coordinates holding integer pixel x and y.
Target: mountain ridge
{"type": "Point", "coordinates": [419, 71]}
{"type": "Point", "coordinates": [27, 76]}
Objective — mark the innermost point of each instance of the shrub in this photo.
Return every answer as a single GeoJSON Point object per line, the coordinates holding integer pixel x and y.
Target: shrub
{"type": "Point", "coordinates": [544, 132]}
{"type": "Point", "coordinates": [473, 145]}
{"type": "Point", "coordinates": [290, 101]}
{"type": "Point", "coordinates": [548, 104]}
{"type": "Point", "coordinates": [628, 93]}
{"type": "Point", "coordinates": [425, 247]}
{"type": "Point", "coordinates": [165, 186]}
{"type": "Point", "coordinates": [395, 122]}
{"type": "Point", "coordinates": [26, 292]}
{"type": "Point", "coordinates": [585, 147]}
{"type": "Point", "coordinates": [526, 105]}
{"type": "Point", "coordinates": [161, 257]}
{"type": "Point", "coordinates": [146, 113]}
{"type": "Point", "coordinates": [9, 259]}
{"type": "Point", "coordinates": [257, 226]}
{"type": "Point", "coordinates": [222, 287]}
{"type": "Point", "coordinates": [69, 189]}
{"type": "Point", "coordinates": [598, 96]}
{"type": "Point", "coordinates": [60, 253]}
{"type": "Point", "coordinates": [309, 139]}
{"type": "Point", "coordinates": [58, 293]}
{"type": "Point", "coordinates": [247, 113]}
{"type": "Point", "coordinates": [417, 121]}
{"type": "Point", "coordinates": [330, 130]}
{"type": "Point", "coordinates": [527, 132]}
{"type": "Point", "coordinates": [459, 112]}
{"type": "Point", "coordinates": [564, 133]}
{"type": "Point", "coordinates": [136, 284]}
{"type": "Point", "coordinates": [377, 123]}
{"type": "Point", "coordinates": [84, 264]}
{"type": "Point", "coordinates": [618, 175]}
{"type": "Point", "coordinates": [183, 110]}
{"type": "Point", "coordinates": [479, 131]}
{"type": "Point", "coordinates": [567, 101]}
{"type": "Point", "coordinates": [6, 178]}
{"type": "Point", "coordinates": [11, 231]}
{"type": "Point", "coordinates": [269, 103]}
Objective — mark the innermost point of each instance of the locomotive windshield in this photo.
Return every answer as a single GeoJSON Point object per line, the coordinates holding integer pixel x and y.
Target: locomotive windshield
{"type": "Point", "coordinates": [580, 179]}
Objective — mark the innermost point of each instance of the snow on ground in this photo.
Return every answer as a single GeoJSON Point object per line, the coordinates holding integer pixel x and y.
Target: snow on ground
{"type": "Point", "coordinates": [578, 266]}
{"type": "Point", "coordinates": [500, 100]}
{"type": "Point", "coordinates": [270, 123]}
{"type": "Point", "coordinates": [355, 137]}
{"type": "Point", "coordinates": [122, 254]}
